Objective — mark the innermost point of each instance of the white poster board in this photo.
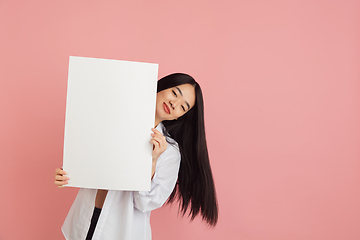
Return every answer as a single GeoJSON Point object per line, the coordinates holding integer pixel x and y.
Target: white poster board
{"type": "Point", "coordinates": [110, 110]}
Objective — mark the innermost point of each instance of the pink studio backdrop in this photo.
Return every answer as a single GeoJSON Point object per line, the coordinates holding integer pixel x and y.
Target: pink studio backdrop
{"type": "Point", "coordinates": [281, 82]}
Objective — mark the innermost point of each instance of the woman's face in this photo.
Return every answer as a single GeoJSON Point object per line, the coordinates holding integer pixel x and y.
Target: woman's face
{"type": "Point", "coordinates": [174, 102]}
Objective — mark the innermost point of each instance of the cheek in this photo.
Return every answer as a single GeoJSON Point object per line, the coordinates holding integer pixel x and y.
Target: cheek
{"type": "Point", "coordinates": [181, 113]}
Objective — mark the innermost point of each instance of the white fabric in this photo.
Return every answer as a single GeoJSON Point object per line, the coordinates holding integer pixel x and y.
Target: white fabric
{"type": "Point", "coordinates": [125, 214]}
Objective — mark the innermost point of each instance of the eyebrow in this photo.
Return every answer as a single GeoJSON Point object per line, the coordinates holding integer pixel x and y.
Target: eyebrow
{"type": "Point", "coordinates": [179, 91]}
{"type": "Point", "coordinates": [182, 95]}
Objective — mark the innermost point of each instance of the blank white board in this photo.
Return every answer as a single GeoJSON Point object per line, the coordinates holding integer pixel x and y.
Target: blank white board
{"type": "Point", "coordinates": [110, 110]}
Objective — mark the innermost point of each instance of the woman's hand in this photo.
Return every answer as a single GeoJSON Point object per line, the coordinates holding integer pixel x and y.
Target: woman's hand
{"type": "Point", "coordinates": [159, 146]}
{"type": "Point", "coordinates": [60, 178]}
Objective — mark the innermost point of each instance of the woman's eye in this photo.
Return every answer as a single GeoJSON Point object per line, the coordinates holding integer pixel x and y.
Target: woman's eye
{"type": "Point", "coordinates": [174, 93]}
{"type": "Point", "coordinates": [183, 108]}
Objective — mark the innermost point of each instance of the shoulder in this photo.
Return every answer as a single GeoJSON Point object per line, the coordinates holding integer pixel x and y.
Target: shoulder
{"type": "Point", "coordinates": [172, 149]}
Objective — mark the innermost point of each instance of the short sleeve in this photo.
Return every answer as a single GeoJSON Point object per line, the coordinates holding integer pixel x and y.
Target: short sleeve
{"type": "Point", "coordinates": [163, 182]}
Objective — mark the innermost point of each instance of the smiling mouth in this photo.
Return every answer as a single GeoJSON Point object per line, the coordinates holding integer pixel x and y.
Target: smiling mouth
{"type": "Point", "coordinates": [166, 108]}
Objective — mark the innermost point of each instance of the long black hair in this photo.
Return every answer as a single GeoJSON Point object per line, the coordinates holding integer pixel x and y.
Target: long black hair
{"type": "Point", "coordinates": [195, 188]}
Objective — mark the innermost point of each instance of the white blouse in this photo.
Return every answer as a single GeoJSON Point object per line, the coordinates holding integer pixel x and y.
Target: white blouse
{"type": "Point", "coordinates": [125, 214]}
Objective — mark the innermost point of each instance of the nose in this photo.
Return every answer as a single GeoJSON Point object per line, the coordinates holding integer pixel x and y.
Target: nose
{"type": "Point", "coordinates": [174, 103]}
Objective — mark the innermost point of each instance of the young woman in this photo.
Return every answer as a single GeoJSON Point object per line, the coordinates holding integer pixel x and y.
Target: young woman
{"type": "Point", "coordinates": [181, 171]}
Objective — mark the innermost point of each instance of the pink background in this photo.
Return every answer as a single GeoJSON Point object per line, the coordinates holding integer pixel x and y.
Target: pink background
{"type": "Point", "coordinates": [281, 82]}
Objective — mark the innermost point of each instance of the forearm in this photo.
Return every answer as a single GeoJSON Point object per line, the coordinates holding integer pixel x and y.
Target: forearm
{"type": "Point", "coordinates": [153, 168]}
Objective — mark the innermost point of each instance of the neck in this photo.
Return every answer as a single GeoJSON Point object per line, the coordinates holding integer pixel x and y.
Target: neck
{"type": "Point", "coordinates": [157, 121]}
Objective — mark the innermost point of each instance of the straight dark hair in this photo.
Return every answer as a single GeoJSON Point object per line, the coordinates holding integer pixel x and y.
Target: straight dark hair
{"type": "Point", "coordinates": [195, 189]}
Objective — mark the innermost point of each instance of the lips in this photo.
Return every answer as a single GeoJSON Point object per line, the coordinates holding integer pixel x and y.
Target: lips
{"type": "Point", "coordinates": [166, 108]}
